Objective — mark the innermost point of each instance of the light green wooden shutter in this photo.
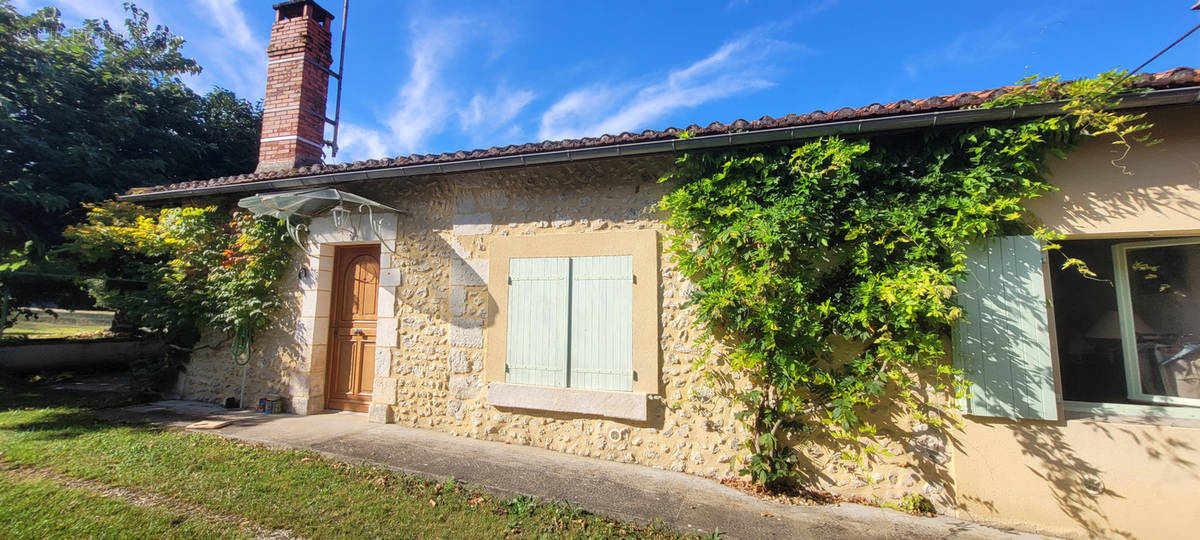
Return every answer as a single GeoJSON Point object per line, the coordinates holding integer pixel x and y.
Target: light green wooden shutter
{"type": "Point", "coordinates": [602, 323]}
{"type": "Point", "coordinates": [538, 308]}
{"type": "Point", "coordinates": [1003, 347]}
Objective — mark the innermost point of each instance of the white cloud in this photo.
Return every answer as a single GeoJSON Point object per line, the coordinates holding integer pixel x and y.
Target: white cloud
{"type": "Point", "coordinates": [494, 110]}
{"type": "Point", "coordinates": [113, 10]}
{"type": "Point", "coordinates": [232, 55]}
{"type": "Point", "coordinates": [356, 143]}
{"type": "Point", "coordinates": [736, 67]}
{"type": "Point", "coordinates": [422, 105]}
{"type": "Point", "coordinates": [426, 104]}
{"type": "Point", "coordinates": [572, 114]}
{"type": "Point", "coordinates": [487, 114]}
{"type": "Point", "coordinates": [1004, 36]}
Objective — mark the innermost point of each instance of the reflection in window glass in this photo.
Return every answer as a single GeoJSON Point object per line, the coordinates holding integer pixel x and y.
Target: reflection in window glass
{"type": "Point", "coordinates": [1163, 285]}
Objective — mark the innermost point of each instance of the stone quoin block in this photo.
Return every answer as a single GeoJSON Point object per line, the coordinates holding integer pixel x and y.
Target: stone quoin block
{"type": "Point", "coordinates": [386, 330]}
{"type": "Point", "coordinates": [302, 405]}
{"type": "Point", "coordinates": [383, 362]}
{"type": "Point", "coordinates": [459, 362]}
{"type": "Point", "coordinates": [378, 413]}
{"type": "Point", "coordinates": [472, 224]}
{"type": "Point", "coordinates": [464, 386]}
{"type": "Point", "coordinates": [464, 203]}
{"type": "Point", "coordinates": [383, 391]}
{"type": "Point", "coordinates": [391, 277]}
{"type": "Point", "coordinates": [471, 272]}
{"type": "Point", "coordinates": [458, 300]}
{"type": "Point", "coordinates": [466, 333]}
{"type": "Point", "coordinates": [298, 383]}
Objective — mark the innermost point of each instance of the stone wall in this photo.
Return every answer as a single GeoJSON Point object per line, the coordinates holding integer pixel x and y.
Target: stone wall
{"type": "Point", "coordinates": [276, 355]}
{"type": "Point", "coordinates": [433, 376]}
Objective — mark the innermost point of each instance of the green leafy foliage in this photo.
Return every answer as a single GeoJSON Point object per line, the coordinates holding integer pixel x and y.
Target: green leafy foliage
{"type": "Point", "coordinates": [89, 111]}
{"type": "Point", "coordinates": [177, 271]}
{"type": "Point", "coordinates": [93, 110]}
{"type": "Point", "coordinates": [915, 503]}
{"type": "Point", "coordinates": [800, 254]}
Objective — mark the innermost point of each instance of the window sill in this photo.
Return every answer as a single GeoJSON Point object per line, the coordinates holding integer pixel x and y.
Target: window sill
{"type": "Point", "coordinates": [623, 405]}
{"type": "Point", "coordinates": [1134, 414]}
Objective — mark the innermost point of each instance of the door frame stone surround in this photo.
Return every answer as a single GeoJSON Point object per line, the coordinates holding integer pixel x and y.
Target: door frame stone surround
{"type": "Point", "coordinates": [306, 384]}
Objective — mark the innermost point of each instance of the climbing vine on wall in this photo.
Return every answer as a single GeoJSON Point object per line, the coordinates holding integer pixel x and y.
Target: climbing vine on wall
{"type": "Point", "coordinates": [180, 271]}
{"type": "Point", "coordinates": [855, 244]}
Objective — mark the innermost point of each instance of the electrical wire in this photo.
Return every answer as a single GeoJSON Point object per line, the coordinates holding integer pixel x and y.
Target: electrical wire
{"type": "Point", "coordinates": [1160, 53]}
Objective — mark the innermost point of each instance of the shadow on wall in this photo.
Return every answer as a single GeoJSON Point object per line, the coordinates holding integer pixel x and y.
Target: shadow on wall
{"type": "Point", "coordinates": [907, 458]}
{"type": "Point", "coordinates": [212, 375]}
{"type": "Point", "coordinates": [1080, 488]}
{"type": "Point", "coordinates": [1159, 205]}
{"type": "Point", "coordinates": [1075, 482]}
{"type": "Point", "coordinates": [1152, 188]}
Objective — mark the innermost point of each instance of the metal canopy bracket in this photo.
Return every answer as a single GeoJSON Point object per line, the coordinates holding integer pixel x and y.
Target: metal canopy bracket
{"type": "Point", "coordinates": [306, 205]}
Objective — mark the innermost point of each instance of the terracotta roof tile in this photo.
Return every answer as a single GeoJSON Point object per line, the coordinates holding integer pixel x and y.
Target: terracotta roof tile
{"type": "Point", "coordinates": [1178, 77]}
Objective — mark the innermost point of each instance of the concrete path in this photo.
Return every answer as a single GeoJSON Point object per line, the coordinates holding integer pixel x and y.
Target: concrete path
{"type": "Point", "coordinates": [686, 503]}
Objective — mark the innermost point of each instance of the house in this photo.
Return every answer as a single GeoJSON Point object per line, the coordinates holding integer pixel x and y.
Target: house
{"type": "Point", "coordinates": [521, 294]}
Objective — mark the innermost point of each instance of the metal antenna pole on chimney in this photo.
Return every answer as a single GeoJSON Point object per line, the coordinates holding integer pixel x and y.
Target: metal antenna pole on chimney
{"type": "Point", "coordinates": [337, 107]}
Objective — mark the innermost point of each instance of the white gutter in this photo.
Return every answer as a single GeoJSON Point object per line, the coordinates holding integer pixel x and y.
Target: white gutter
{"type": "Point", "coordinates": [1154, 98]}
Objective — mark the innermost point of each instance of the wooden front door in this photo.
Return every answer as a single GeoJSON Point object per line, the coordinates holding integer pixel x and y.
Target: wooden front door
{"type": "Point", "coordinates": [352, 328]}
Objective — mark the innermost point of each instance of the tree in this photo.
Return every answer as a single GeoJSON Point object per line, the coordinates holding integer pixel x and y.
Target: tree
{"type": "Point", "coordinates": [91, 111]}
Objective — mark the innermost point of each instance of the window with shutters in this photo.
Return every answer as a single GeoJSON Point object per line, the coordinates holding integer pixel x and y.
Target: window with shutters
{"type": "Point", "coordinates": [1131, 333]}
{"type": "Point", "coordinates": [1122, 336]}
{"type": "Point", "coordinates": [1003, 346]}
{"type": "Point", "coordinates": [578, 312]}
{"type": "Point", "coordinates": [570, 322]}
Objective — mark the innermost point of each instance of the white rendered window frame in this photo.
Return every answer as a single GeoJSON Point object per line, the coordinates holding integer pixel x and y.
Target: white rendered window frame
{"type": "Point", "coordinates": [1133, 375]}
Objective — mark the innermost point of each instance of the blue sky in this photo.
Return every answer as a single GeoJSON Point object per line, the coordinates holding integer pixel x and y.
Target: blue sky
{"type": "Point", "coordinates": [428, 77]}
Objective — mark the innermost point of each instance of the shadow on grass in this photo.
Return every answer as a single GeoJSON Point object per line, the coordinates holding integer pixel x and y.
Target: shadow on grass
{"type": "Point", "coordinates": [61, 413]}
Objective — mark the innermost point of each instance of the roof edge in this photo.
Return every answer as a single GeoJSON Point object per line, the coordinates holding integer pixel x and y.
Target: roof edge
{"type": "Point", "coordinates": [1152, 98]}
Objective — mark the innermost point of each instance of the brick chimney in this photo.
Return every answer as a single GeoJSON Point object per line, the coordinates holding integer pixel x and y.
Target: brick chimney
{"type": "Point", "coordinates": [298, 59]}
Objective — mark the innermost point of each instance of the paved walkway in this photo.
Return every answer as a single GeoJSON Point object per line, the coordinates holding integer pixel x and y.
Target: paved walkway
{"type": "Point", "coordinates": [634, 493]}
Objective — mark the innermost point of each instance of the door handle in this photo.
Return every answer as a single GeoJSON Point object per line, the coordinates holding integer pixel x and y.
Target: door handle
{"type": "Point", "coordinates": [359, 332]}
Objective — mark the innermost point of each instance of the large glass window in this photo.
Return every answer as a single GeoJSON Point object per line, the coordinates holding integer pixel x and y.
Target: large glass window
{"type": "Point", "coordinates": [1129, 333]}
{"type": "Point", "coordinates": [1157, 283]}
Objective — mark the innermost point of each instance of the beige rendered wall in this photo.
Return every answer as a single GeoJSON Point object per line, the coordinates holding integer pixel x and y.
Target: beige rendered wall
{"type": "Point", "coordinates": [1084, 477]}
{"type": "Point", "coordinates": [1096, 476]}
{"type": "Point", "coordinates": [1155, 190]}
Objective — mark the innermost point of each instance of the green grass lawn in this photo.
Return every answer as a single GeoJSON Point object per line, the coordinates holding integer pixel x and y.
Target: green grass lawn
{"type": "Point", "coordinates": [67, 324]}
{"type": "Point", "coordinates": [44, 509]}
{"type": "Point", "coordinates": [295, 491]}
